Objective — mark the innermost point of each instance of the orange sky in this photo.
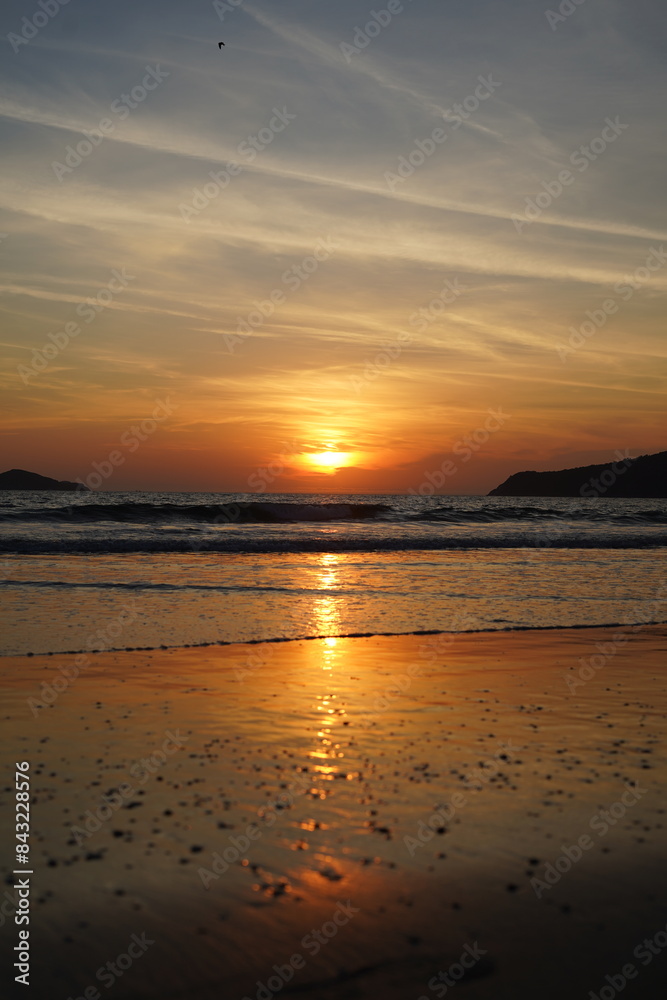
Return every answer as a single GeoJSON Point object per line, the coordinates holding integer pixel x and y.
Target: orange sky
{"type": "Point", "coordinates": [341, 287]}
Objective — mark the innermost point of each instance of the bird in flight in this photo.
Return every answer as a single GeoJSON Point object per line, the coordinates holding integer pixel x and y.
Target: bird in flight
{"type": "Point", "coordinates": [220, 44]}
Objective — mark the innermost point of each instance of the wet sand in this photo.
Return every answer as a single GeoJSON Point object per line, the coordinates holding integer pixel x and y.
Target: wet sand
{"type": "Point", "coordinates": [362, 814]}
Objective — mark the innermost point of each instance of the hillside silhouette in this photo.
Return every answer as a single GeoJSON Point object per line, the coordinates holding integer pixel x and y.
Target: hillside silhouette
{"type": "Point", "coordinates": [19, 479]}
{"type": "Point", "coordinates": [645, 477]}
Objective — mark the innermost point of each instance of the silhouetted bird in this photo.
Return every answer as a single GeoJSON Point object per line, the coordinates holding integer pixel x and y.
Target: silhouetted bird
{"type": "Point", "coordinates": [220, 44]}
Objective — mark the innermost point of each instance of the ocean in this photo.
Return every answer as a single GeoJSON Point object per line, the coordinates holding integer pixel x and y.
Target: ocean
{"type": "Point", "coordinates": [94, 571]}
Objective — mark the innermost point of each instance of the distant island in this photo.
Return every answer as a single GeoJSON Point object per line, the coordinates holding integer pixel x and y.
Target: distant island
{"type": "Point", "coordinates": [641, 477]}
{"type": "Point", "coordinates": [19, 479]}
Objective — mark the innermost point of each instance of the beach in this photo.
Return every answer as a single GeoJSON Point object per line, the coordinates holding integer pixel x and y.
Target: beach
{"type": "Point", "coordinates": [346, 817]}
{"type": "Point", "coordinates": [333, 501]}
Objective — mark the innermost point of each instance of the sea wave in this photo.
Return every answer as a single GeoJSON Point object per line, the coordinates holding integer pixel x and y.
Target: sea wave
{"type": "Point", "coordinates": [93, 511]}
{"type": "Point", "coordinates": [235, 544]}
{"type": "Point", "coordinates": [224, 513]}
{"type": "Point", "coordinates": [530, 514]}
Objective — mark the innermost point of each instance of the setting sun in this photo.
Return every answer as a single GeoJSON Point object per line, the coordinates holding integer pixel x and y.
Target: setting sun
{"type": "Point", "coordinates": [330, 459]}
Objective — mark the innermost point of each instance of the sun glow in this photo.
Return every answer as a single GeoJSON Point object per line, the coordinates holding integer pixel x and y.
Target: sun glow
{"type": "Point", "coordinates": [330, 459]}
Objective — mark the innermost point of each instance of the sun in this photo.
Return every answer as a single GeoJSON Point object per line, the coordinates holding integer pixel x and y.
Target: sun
{"type": "Point", "coordinates": [330, 460]}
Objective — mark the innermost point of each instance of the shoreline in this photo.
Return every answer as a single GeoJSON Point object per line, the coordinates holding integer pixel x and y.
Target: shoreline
{"type": "Point", "coordinates": [402, 797]}
{"type": "Point", "coordinates": [223, 643]}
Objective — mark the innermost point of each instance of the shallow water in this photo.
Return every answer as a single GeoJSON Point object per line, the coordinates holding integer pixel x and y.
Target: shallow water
{"type": "Point", "coordinates": [101, 571]}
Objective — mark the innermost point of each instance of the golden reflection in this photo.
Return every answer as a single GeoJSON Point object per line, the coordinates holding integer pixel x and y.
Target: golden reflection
{"type": "Point", "coordinates": [328, 752]}
{"type": "Point", "coordinates": [324, 758]}
{"type": "Point", "coordinates": [325, 606]}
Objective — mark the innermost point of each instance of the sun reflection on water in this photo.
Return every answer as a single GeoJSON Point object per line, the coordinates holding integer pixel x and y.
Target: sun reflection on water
{"type": "Point", "coordinates": [326, 758]}
{"type": "Point", "coordinates": [325, 605]}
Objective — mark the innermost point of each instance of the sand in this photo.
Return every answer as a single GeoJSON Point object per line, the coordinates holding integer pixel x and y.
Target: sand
{"type": "Point", "coordinates": [362, 814]}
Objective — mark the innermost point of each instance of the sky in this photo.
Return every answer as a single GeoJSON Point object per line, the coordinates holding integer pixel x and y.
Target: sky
{"type": "Point", "coordinates": [376, 249]}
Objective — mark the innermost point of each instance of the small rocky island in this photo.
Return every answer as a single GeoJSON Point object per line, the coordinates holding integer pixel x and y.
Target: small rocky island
{"type": "Point", "coordinates": [19, 479]}
{"type": "Point", "coordinates": [627, 477]}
